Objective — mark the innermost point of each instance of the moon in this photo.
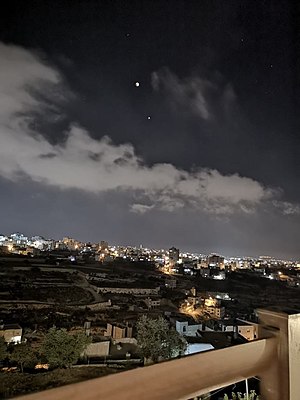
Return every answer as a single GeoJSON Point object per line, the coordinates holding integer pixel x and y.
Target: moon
{"type": "Point", "coordinates": [137, 84]}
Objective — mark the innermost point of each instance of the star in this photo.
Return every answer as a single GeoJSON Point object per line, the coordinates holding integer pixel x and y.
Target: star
{"type": "Point", "coordinates": [137, 84]}
{"type": "Point", "coordinates": [149, 117]}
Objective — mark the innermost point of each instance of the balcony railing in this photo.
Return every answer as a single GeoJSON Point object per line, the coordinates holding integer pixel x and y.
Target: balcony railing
{"type": "Point", "coordinates": [275, 358]}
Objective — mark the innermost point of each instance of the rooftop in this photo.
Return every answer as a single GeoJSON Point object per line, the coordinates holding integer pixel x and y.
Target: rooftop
{"type": "Point", "coordinates": [6, 327]}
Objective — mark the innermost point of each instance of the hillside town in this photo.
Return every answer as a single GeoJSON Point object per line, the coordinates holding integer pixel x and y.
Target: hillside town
{"type": "Point", "coordinates": [102, 292]}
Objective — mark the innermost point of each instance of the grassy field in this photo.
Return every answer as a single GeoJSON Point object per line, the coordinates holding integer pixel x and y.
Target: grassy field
{"type": "Point", "coordinates": [15, 384]}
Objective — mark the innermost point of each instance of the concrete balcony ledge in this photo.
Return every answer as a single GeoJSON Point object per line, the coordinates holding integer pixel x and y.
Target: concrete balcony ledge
{"type": "Point", "coordinates": [269, 358]}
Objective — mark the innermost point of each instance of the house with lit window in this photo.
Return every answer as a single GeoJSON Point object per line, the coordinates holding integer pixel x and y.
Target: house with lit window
{"type": "Point", "coordinates": [12, 333]}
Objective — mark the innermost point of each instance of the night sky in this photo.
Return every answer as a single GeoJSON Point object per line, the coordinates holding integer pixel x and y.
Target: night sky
{"type": "Point", "coordinates": [152, 122]}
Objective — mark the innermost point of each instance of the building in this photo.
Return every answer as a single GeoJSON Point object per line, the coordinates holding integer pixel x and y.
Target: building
{"type": "Point", "coordinates": [71, 244]}
{"type": "Point", "coordinates": [216, 312]}
{"type": "Point", "coordinates": [218, 275]}
{"type": "Point", "coordinates": [170, 283]}
{"type": "Point", "coordinates": [215, 261]}
{"type": "Point", "coordinates": [99, 349]}
{"type": "Point", "coordinates": [103, 254]}
{"type": "Point", "coordinates": [205, 272]}
{"type": "Point", "coordinates": [194, 300]}
{"type": "Point", "coordinates": [173, 256]}
{"type": "Point", "coordinates": [183, 327]}
{"type": "Point", "coordinates": [19, 239]}
{"type": "Point", "coordinates": [152, 303]}
{"type": "Point", "coordinates": [213, 308]}
{"type": "Point", "coordinates": [118, 331]}
{"type": "Point", "coordinates": [247, 330]}
{"type": "Point", "coordinates": [12, 333]}
{"type": "Point", "coordinates": [103, 246]}
{"type": "Point", "coordinates": [103, 257]}
{"type": "Point", "coordinates": [210, 340]}
{"type": "Point", "coordinates": [5, 249]}
{"type": "Point", "coordinates": [239, 327]}
{"type": "Point", "coordinates": [219, 295]}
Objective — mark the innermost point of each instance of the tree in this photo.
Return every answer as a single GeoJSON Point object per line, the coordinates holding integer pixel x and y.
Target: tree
{"type": "Point", "coordinates": [3, 349]}
{"type": "Point", "coordinates": [23, 355]}
{"type": "Point", "coordinates": [157, 340]}
{"type": "Point", "coordinates": [61, 349]}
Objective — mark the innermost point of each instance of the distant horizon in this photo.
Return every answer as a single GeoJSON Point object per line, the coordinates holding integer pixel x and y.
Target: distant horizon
{"type": "Point", "coordinates": [205, 253]}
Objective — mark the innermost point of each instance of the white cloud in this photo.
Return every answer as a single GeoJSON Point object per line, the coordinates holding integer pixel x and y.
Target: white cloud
{"type": "Point", "coordinates": [140, 208]}
{"type": "Point", "coordinates": [84, 163]}
{"type": "Point", "coordinates": [20, 72]}
{"type": "Point", "coordinates": [287, 208]}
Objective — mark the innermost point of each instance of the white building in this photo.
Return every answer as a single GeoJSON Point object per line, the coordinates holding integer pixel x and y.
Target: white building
{"type": "Point", "coordinates": [185, 329]}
